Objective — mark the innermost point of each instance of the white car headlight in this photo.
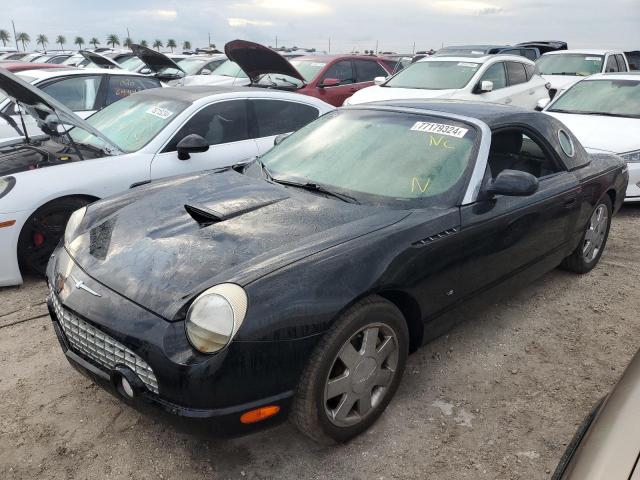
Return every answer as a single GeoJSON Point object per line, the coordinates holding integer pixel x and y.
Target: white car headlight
{"type": "Point", "coordinates": [6, 184]}
{"type": "Point", "coordinates": [631, 157]}
{"type": "Point", "coordinates": [72, 225]}
{"type": "Point", "coordinates": [215, 316]}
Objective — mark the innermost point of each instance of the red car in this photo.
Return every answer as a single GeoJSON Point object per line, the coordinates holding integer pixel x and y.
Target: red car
{"type": "Point", "coordinates": [332, 78]}
{"type": "Point", "coordinates": [21, 66]}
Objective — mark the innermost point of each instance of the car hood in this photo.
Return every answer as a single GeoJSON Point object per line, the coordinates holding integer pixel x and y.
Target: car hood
{"type": "Point", "coordinates": [146, 245]}
{"type": "Point", "coordinates": [46, 110]}
{"type": "Point", "coordinates": [609, 134]}
{"type": "Point", "coordinates": [378, 93]}
{"type": "Point", "coordinates": [156, 61]}
{"type": "Point", "coordinates": [255, 60]}
{"type": "Point", "coordinates": [99, 60]}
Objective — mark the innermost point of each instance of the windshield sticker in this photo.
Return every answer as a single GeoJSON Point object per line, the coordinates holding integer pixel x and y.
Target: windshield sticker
{"type": "Point", "coordinates": [593, 59]}
{"type": "Point", "coordinates": [466, 64]}
{"type": "Point", "coordinates": [440, 142]}
{"type": "Point", "coordinates": [417, 185]}
{"type": "Point", "coordinates": [440, 128]}
{"type": "Point", "coordinates": [159, 112]}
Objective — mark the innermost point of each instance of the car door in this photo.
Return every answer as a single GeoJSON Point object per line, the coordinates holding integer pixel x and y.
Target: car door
{"type": "Point", "coordinates": [225, 126]}
{"type": "Point", "coordinates": [495, 73]}
{"type": "Point", "coordinates": [273, 117]}
{"type": "Point", "coordinates": [509, 235]}
{"type": "Point", "coordinates": [343, 71]}
{"type": "Point", "coordinates": [522, 88]}
{"type": "Point", "coordinates": [366, 71]}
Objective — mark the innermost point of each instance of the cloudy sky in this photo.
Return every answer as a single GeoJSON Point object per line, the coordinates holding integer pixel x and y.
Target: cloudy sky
{"type": "Point", "coordinates": [351, 24]}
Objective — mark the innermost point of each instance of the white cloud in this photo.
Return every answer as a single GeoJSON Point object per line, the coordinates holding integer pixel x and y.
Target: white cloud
{"type": "Point", "coordinates": [287, 7]}
{"type": "Point", "coordinates": [243, 22]}
{"type": "Point", "coordinates": [466, 7]}
{"type": "Point", "coordinates": [158, 14]}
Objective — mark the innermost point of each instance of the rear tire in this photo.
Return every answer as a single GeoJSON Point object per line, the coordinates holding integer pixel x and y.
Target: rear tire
{"type": "Point", "coordinates": [588, 252]}
{"type": "Point", "coordinates": [353, 373]}
{"type": "Point", "coordinates": [43, 230]}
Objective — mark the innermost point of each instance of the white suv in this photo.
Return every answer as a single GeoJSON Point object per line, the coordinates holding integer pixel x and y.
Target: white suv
{"type": "Point", "coordinates": [507, 79]}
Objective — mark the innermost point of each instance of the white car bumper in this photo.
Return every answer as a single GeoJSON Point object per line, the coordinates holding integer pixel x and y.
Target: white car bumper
{"type": "Point", "coordinates": [9, 269]}
{"type": "Point", "coordinates": [633, 190]}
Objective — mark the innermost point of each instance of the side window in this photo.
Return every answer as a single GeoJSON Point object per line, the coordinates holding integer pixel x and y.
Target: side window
{"type": "Point", "coordinates": [367, 70]}
{"type": "Point", "coordinates": [121, 86]}
{"type": "Point", "coordinates": [530, 53]}
{"type": "Point", "coordinates": [515, 150]}
{"type": "Point", "coordinates": [511, 51]}
{"type": "Point", "coordinates": [622, 67]}
{"type": "Point", "coordinates": [516, 73]}
{"type": "Point", "coordinates": [278, 116]}
{"type": "Point", "coordinates": [495, 73]}
{"type": "Point", "coordinates": [78, 92]}
{"type": "Point", "coordinates": [612, 65]}
{"type": "Point", "coordinates": [341, 70]}
{"type": "Point", "coordinates": [222, 122]}
{"type": "Point", "coordinates": [530, 69]}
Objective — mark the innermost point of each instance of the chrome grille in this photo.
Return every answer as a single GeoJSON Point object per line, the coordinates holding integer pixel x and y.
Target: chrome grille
{"type": "Point", "coordinates": [99, 347]}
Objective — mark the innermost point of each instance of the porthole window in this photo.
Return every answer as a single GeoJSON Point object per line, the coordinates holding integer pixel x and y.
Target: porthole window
{"type": "Point", "coordinates": [566, 143]}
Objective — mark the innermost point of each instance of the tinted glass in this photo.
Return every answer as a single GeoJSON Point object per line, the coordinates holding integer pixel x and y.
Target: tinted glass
{"type": "Point", "coordinates": [612, 65]}
{"type": "Point", "coordinates": [229, 69]}
{"type": "Point", "coordinates": [341, 70]}
{"type": "Point", "coordinates": [278, 116]}
{"type": "Point", "coordinates": [515, 150]}
{"type": "Point", "coordinates": [495, 73]}
{"type": "Point", "coordinates": [132, 64]}
{"type": "Point", "coordinates": [366, 71]}
{"type": "Point", "coordinates": [516, 72]}
{"type": "Point", "coordinates": [120, 86]}
{"type": "Point", "coordinates": [530, 69]}
{"type": "Point", "coordinates": [78, 93]}
{"type": "Point", "coordinates": [191, 65]}
{"type": "Point", "coordinates": [309, 69]}
{"type": "Point", "coordinates": [609, 97]}
{"type": "Point", "coordinates": [356, 151]}
{"type": "Point", "coordinates": [434, 75]}
{"type": "Point", "coordinates": [569, 64]}
{"type": "Point", "coordinates": [222, 122]}
{"type": "Point", "coordinates": [622, 67]}
{"type": "Point", "coordinates": [530, 53]}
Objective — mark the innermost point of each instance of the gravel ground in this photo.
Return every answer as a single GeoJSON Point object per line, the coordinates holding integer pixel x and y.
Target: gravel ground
{"type": "Point", "coordinates": [498, 397]}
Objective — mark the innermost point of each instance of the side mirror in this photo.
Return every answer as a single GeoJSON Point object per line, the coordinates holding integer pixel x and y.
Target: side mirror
{"type": "Point", "coordinates": [193, 143]}
{"type": "Point", "coordinates": [379, 80]}
{"type": "Point", "coordinates": [329, 82]}
{"type": "Point", "coordinates": [543, 102]}
{"type": "Point", "coordinates": [512, 183]}
{"type": "Point", "coordinates": [145, 71]}
{"type": "Point", "coordinates": [205, 71]}
{"type": "Point", "coordinates": [485, 86]}
{"type": "Point", "coordinates": [280, 138]}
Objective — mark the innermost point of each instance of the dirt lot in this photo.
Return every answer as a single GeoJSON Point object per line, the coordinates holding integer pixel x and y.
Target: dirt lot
{"type": "Point", "coordinates": [498, 397]}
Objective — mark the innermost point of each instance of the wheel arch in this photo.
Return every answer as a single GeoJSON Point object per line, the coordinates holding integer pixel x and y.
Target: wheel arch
{"type": "Point", "coordinates": [411, 312]}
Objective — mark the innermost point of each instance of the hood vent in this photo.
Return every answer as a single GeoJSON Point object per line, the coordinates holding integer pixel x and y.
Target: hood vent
{"type": "Point", "coordinates": [203, 216]}
{"type": "Point", "coordinates": [437, 236]}
{"type": "Point", "coordinates": [206, 216]}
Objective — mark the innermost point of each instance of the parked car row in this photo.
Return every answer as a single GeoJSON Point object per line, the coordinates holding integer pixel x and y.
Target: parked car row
{"type": "Point", "coordinates": [203, 234]}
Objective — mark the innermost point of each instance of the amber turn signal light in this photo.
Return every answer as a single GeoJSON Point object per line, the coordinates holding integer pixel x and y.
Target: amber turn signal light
{"type": "Point", "coordinates": [259, 414]}
{"type": "Point", "coordinates": [8, 223]}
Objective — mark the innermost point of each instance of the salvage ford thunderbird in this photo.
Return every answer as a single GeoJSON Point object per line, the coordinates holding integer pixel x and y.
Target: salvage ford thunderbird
{"type": "Point", "coordinates": [297, 284]}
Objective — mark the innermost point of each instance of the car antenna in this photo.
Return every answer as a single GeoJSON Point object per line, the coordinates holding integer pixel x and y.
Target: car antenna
{"type": "Point", "coordinates": [24, 127]}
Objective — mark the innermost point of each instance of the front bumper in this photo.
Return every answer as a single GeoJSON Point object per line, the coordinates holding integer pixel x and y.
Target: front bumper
{"type": "Point", "coordinates": [198, 391]}
{"type": "Point", "coordinates": [9, 268]}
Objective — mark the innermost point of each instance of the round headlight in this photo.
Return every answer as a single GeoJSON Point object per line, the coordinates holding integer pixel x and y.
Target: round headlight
{"type": "Point", "coordinates": [72, 225]}
{"type": "Point", "coordinates": [215, 316]}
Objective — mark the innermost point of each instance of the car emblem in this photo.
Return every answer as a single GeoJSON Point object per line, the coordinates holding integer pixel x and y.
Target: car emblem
{"type": "Point", "coordinates": [79, 284]}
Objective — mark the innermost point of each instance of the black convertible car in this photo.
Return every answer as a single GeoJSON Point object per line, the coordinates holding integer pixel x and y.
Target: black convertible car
{"type": "Point", "coordinates": [295, 285]}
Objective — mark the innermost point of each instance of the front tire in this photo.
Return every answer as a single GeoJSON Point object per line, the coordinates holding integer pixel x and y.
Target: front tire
{"type": "Point", "coordinates": [588, 252]}
{"type": "Point", "coordinates": [43, 230]}
{"type": "Point", "coordinates": [353, 373]}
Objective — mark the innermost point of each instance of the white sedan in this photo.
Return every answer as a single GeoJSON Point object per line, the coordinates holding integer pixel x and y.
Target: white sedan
{"type": "Point", "coordinates": [603, 111]}
{"type": "Point", "coordinates": [147, 136]}
{"type": "Point", "coordinates": [507, 79]}
{"type": "Point", "coordinates": [83, 91]}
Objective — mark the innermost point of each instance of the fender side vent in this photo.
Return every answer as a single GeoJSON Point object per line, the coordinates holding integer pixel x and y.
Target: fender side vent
{"type": "Point", "coordinates": [433, 238]}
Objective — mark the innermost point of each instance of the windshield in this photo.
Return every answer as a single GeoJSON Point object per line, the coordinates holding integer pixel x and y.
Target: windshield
{"type": "Point", "coordinates": [191, 65]}
{"type": "Point", "coordinates": [606, 97]}
{"type": "Point", "coordinates": [132, 64]}
{"type": "Point", "coordinates": [434, 75]}
{"type": "Point", "coordinates": [229, 69]}
{"type": "Point", "coordinates": [130, 123]}
{"type": "Point", "coordinates": [356, 151]}
{"type": "Point", "coordinates": [309, 69]}
{"type": "Point", "coordinates": [461, 51]}
{"type": "Point", "coordinates": [569, 64]}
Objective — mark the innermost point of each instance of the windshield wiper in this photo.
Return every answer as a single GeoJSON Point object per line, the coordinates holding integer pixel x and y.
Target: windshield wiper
{"type": "Point", "coordinates": [315, 187]}
{"type": "Point", "coordinates": [287, 81]}
{"type": "Point", "coordinates": [574, 74]}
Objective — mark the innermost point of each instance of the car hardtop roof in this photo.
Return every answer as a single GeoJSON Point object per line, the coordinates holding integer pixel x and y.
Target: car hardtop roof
{"type": "Point", "coordinates": [43, 74]}
{"type": "Point", "coordinates": [192, 93]}
{"type": "Point", "coordinates": [329, 57]}
{"type": "Point", "coordinates": [492, 114]}
{"type": "Point", "coordinates": [476, 59]}
{"type": "Point", "coordinates": [483, 47]}
{"type": "Point", "coordinates": [584, 51]}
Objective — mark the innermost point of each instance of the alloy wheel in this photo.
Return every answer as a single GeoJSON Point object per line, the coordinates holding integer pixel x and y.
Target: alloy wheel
{"type": "Point", "coordinates": [595, 234]}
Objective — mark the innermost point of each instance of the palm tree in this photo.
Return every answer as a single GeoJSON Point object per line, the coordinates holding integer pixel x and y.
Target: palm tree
{"type": "Point", "coordinates": [24, 38]}
{"type": "Point", "coordinates": [79, 41]}
{"type": "Point", "coordinates": [61, 40]}
{"type": "Point", "coordinates": [127, 42]}
{"type": "Point", "coordinates": [157, 44]}
{"type": "Point", "coordinates": [4, 37]}
{"type": "Point", "coordinates": [171, 43]}
{"type": "Point", "coordinates": [113, 40]}
{"type": "Point", "coordinates": [143, 43]}
{"type": "Point", "coordinates": [95, 42]}
{"type": "Point", "coordinates": [42, 40]}
{"type": "Point", "coordinates": [186, 45]}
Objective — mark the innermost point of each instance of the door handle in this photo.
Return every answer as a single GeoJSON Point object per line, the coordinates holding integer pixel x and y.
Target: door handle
{"type": "Point", "coordinates": [531, 92]}
{"type": "Point", "coordinates": [508, 100]}
{"type": "Point", "coordinates": [571, 202]}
